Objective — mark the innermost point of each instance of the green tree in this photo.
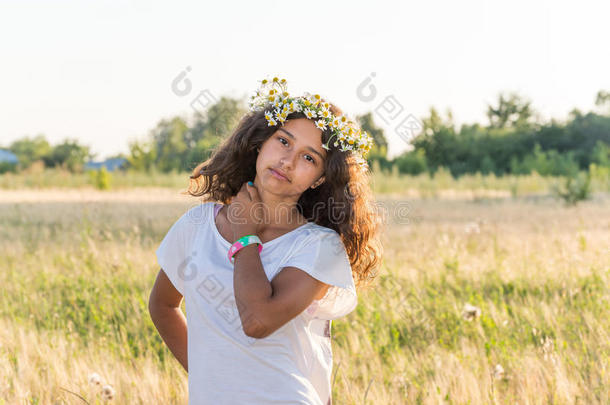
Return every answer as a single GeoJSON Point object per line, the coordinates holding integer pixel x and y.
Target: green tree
{"type": "Point", "coordinates": [512, 111]}
{"type": "Point", "coordinates": [169, 138]}
{"type": "Point", "coordinates": [412, 162]}
{"type": "Point", "coordinates": [603, 100]}
{"type": "Point", "coordinates": [142, 155]}
{"type": "Point", "coordinates": [438, 140]}
{"type": "Point", "coordinates": [29, 150]}
{"type": "Point", "coordinates": [601, 154]}
{"type": "Point", "coordinates": [208, 130]}
{"type": "Point", "coordinates": [380, 147]}
{"type": "Point", "coordinates": [69, 155]}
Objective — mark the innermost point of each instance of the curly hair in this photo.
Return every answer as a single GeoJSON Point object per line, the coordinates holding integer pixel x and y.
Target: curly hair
{"type": "Point", "coordinates": [351, 210]}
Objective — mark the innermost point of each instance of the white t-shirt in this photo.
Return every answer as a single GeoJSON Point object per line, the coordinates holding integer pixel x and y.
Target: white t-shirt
{"type": "Point", "coordinates": [292, 365]}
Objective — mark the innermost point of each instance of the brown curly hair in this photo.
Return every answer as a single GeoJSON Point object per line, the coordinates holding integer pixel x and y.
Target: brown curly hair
{"type": "Point", "coordinates": [352, 212]}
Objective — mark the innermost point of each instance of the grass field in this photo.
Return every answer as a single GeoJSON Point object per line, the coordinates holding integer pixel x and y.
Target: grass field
{"type": "Point", "coordinates": [77, 267]}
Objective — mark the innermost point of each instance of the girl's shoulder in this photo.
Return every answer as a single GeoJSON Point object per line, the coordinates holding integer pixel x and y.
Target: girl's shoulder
{"type": "Point", "coordinates": [195, 217]}
{"type": "Point", "coordinates": [314, 236]}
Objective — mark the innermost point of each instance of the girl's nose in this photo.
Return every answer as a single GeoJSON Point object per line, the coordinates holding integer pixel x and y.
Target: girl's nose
{"type": "Point", "coordinates": [287, 160]}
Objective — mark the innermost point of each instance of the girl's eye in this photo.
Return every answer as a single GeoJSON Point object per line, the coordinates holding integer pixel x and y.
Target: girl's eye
{"type": "Point", "coordinates": [282, 140]}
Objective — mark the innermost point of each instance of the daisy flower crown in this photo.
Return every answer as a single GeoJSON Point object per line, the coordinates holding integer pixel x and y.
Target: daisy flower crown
{"type": "Point", "coordinates": [273, 96]}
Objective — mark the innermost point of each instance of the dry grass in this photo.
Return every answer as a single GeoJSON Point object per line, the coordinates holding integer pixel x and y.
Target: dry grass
{"type": "Point", "coordinates": [78, 267]}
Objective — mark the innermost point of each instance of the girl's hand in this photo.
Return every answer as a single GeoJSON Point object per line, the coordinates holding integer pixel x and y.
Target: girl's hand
{"type": "Point", "coordinates": [245, 212]}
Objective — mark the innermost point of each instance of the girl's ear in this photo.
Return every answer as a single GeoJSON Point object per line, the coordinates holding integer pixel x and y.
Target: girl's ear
{"type": "Point", "coordinates": [318, 182]}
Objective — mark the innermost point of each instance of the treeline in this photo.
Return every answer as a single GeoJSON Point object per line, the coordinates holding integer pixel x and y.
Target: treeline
{"type": "Point", "coordinates": [69, 154]}
{"type": "Point", "coordinates": [514, 141]}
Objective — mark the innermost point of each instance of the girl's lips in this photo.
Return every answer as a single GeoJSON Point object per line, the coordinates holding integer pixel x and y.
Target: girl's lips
{"type": "Point", "coordinates": [277, 175]}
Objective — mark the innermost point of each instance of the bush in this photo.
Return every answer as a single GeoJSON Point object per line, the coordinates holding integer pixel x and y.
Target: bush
{"type": "Point", "coordinates": [575, 188]}
{"type": "Point", "coordinates": [101, 178]}
{"type": "Point", "coordinates": [413, 162]}
{"type": "Point", "coordinates": [6, 167]}
{"type": "Point", "coordinates": [547, 163]}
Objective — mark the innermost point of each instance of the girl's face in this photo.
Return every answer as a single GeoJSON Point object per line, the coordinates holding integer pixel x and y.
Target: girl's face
{"type": "Point", "coordinates": [292, 159]}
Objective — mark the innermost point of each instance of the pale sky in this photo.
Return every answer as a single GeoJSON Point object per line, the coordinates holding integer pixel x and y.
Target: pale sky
{"type": "Point", "coordinates": [102, 72]}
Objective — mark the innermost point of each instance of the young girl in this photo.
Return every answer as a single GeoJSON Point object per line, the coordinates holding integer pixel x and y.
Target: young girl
{"type": "Point", "coordinates": [270, 257]}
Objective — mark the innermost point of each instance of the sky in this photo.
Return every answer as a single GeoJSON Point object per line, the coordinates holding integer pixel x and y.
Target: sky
{"type": "Point", "coordinates": [102, 72]}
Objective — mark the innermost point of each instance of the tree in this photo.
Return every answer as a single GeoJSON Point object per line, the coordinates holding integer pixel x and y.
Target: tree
{"type": "Point", "coordinates": [603, 99]}
{"type": "Point", "coordinates": [169, 138]}
{"type": "Point", "coordinates": [218, 122]}
{"type": "Point", "coordinates": [438, 140]}
{"type": "Point", "coordinates": [69, 155]}
{"type": "Point", "coordinates": [142, 155]}
{"type": "Point", "coordinates": [512, 111]}
{"type": "Point", "coordinates": [411, 162]}
{"type": "Point", "coordinates": [29, 150]}
{"type": "Point", "coordinates": [601, 154]}
{"type": "Point", "coordinates": [380, 147]}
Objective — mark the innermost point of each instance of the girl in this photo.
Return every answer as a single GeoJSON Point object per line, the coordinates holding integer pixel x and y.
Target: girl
{"type": "Point", "coordinates": [270, 257]}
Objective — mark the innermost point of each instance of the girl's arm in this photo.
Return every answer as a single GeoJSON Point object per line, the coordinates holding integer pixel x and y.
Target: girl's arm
{"type": "Point", "coordinates": [164, 307]}
{"type": "Point", "coordinates": [265, 306]}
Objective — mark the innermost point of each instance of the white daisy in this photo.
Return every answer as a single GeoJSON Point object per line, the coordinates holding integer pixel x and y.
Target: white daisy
{"type": "Point", "coordinates": [281, 117]}
{"type": "Point", "coordinates": [324, 113]}
{"type": "Point", "coordinates": [498, 372]}
{"type": "Point", "coordinates": [320, 124]}
{"type": "Point", "coordinates": [309, 113]}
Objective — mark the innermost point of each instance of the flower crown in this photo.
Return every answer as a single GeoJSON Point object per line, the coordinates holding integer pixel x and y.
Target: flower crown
{"type": "Point", "coordinates": [272, 93]}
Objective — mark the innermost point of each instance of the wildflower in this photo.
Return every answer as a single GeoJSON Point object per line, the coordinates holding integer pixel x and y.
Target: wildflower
{"type": "Point", "coordinates": [498, 372]}
{"type": "Point", "coordinates": [107, 392]}
{"type": "Point", "coordinates": [281, 116]}
{"type": "Point", "coordinates": [470, 312]}
{"type": "Point", "coordinates": [320, 124]}
{"type": "Point", "coordinates": [336, 123]}
{"type": "Point", "coordinates": [310, 113]}
{"type": "Point", "coordinates": [324, 113]}
{"type": "Point", "coordinates": [94, 379]}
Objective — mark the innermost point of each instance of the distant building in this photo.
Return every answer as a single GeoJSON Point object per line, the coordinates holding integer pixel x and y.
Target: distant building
{"type": "Point", "coordinates": [8, 157]}
{"type": "Point", "coordinates": [110, 164]}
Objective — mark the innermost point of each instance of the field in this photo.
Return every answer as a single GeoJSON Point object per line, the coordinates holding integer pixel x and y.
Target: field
{"type": "Point", "coordinates": [77, 266]}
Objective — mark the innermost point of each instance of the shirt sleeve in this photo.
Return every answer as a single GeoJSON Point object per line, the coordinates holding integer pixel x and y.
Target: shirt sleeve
{"type": "Point", "coordinates": [173, 254]}
{"type": "Point", "coordinates": [322, 255]}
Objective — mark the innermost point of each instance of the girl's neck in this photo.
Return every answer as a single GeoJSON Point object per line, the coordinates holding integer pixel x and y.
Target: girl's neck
{"type": "Point", "coordinates": [282, 215]}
